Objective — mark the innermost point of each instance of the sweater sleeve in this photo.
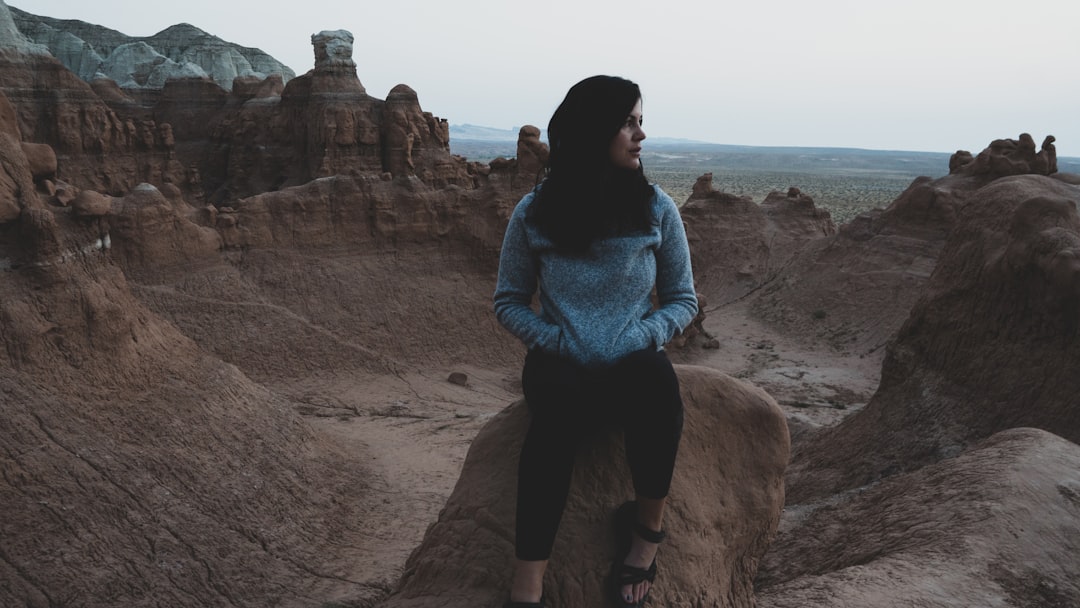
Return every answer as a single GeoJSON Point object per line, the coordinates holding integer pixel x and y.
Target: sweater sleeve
{"type": "Point", "coordinates": [515, 287]}
{"type": "Point", "coordinates": [675, 291]}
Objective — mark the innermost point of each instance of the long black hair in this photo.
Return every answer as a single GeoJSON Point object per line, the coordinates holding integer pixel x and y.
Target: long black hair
{"type": "Point", "coordinates": [584, 196]}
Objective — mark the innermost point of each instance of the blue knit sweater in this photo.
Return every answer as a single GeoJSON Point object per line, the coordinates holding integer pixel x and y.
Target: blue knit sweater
{"type": "Point", "coordinates": [596, 307]}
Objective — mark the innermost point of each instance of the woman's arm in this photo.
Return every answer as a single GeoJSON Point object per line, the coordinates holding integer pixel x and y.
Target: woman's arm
{"type": "Point", "coordinates": [674, 278]}
{"type": "Point", "coordinates": [515, 288]}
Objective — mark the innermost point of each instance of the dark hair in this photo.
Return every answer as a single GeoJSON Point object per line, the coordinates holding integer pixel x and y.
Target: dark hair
{"type": "Point", "coordinates": [584, 196]}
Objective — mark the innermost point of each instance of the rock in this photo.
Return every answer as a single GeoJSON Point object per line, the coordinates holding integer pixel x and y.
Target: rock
{"type": "Point", "coordinates": [994, 526]}
{"type": "Point", "coordinates": [724, 505]}
{"type": "Point", "coordinates": [88, 203]}
{"type": "Point", "coordinates": [179, 51]}
{"type": "Point", "coordinates": [458, 378]}
{"type": "Point", "coordinates": [137, 64]}
{"type": "Point", "coordinates": [868, 275]}
{"type": "Point", "coordinates": [42, 160]}
{"type": "Point", "coordinates": [16, 180]}
{"type": "Point", "coordinates": [13, 39]}
{"type": "Point", "coordinates": [65, 193]}
{"type": "Point", "coordinates": [333, 49]}
{"type": "Point", "coordinates": [109, 415]}
{"type": "Point", "coordinates": [756, 240]}
{"type": "Point", "coordinates": [988, 347]}
{"type": "Point", "coordinates": [795, 214]}
{"type": "Point", "coordinates": [532, 154]}
{"type": "Point", "coordinates": [99, 149]}
{"type": "Point", "coordinates": [1006, 157]}
{"type": "Point", "coordinates": [153, 234]}
{"type": "Point", "coordinates": [251, 87]}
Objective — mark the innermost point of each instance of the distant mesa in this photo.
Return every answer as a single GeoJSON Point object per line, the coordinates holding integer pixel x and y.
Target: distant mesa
{"type": "Point", "coordinates": [180, 51]}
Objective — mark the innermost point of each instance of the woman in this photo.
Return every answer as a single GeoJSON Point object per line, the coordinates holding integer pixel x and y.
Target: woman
{"type": "Point", "coordinates": [595, 238]}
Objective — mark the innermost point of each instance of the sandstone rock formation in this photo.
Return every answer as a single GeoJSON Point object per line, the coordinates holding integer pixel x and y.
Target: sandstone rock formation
{"type": "Point", "coordinates": [988, 349]}
{"type": "Point", "coordinates": [994, 526]}
{"type": "Point", "coordinates": [218, 146]}
{"type": "Point", "coordinates": [1007, 157]}
{"type": "Point", "coordinates": [180, 51]}
{"type": "Point", "coordinates": [136, 468]}
{"type": "Point", "coordinates": [881, 260]}
{"type": "Point", "coordinates": [17, 190]}
{"type": "Point", "coordinates": [333, 49]}
{"type": "Point", "coordinates": [725, 503]}
{"type": "Point", "coordinates": [93, 145]}
{"type": "Point", "coordinates": [737, 245]}
{"type": "Point", "coordinates": [855, 288]}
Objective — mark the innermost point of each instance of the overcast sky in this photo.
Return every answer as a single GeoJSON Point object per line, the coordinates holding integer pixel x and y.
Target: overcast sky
{"type": "Point", "coordinates": [933, 75]}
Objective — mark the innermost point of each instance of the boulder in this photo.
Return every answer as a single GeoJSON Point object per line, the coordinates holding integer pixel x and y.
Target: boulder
{"type": "Point", "coordinates": [995, 526]}
{"type": "Point", "coordinates": [724, 506]}
{"type": "Point", "coordinates": [89, 203]}
{"type": "Point", "coordinates": [42, 160]}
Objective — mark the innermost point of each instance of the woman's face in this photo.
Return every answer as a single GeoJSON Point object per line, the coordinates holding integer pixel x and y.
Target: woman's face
{"type": "Point", "coordinates": [626, 145]}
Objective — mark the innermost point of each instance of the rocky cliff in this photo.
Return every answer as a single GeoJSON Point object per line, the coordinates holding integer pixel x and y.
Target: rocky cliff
{"type": "Point", "coordinates": [181, 51]}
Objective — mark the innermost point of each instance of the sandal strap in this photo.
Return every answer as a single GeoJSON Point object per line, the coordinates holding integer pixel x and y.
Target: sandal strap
{"type": "Point", "coordinates": [648, 535]}
{"type": "Point", "coordinates": [631, 575]}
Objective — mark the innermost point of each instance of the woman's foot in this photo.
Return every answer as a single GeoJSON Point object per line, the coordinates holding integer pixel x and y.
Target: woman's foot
{"type": "Point", "coordinates": [642, 556]}
{"type": "Point", "coordinates": [639, 526]}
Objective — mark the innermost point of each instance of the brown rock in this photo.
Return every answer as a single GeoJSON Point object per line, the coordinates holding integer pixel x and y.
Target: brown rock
{"type": "Point", "coordinates": [458, 378]}
{"type": "Point", "coordinates": [1006, 157]}
{"type": "Point", "coordinates": [724, 506]}
{"type": "Point", "coordinates": [42, 161]}
{"type": "Point", "coordinates": [532, 154]}
{"type": "Point", "coordinates": [989, 346]}
{"type": "Point", "coordinates": [737, 246]}
{"type": "Point", "coordinates": [251, 87]}
{"type": "Point", "coordinates": [65, 193]}
{"type": "Point", "coordinates": [101, 150]}
{"type": "Point", "coordinates": [110, 415]}
{"type": "Point", "coordinates": [88, 203]}
{"type": "Point", "coordinates": [865, 278]}
{"type": "Point", "coordinates": [16, 181]}
{"type": "Point", "coordinates": [994, 526]}
{"type": "Point", "coordinates": [151, 233]}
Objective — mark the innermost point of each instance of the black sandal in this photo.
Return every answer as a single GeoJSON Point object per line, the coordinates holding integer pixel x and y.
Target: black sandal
{"type": "Point", "coordinates": [622, 574]}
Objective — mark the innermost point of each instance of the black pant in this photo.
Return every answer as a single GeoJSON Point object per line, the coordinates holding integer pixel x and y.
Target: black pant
{"type": "Point", "coordinates": [639, 393]}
